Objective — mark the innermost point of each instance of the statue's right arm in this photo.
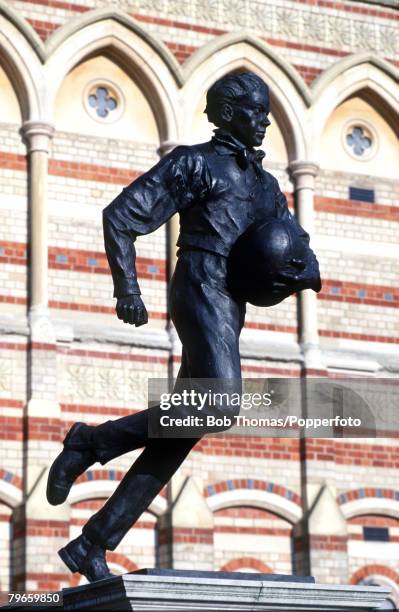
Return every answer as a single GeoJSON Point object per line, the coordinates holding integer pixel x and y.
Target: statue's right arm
{"type": "Point", "coordinates": [141, 208]}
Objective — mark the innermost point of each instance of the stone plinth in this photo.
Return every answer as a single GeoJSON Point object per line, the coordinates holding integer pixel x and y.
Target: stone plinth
{"type": "Point", "coordinates": [172, 591]}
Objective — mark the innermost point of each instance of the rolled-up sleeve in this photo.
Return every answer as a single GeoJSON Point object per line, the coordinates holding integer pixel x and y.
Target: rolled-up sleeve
{"type": "Point", "coordinates": [170, 186]}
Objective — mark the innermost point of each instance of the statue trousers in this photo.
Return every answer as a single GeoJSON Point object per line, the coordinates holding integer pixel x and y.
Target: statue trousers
{"type": "Point", "coordinates": [208, 321]}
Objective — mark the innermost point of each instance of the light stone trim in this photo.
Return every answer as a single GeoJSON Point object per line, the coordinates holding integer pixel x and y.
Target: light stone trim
{"type": "Point", "coordinates": [18, 45]}
{"type": "Point", "coordinates": [174, 593]}
{"type": "Point", "coordinates": [330, 93]}
{"type": "Point", "coordinates": [384, 581]}
{"type": "Point", "coordinates": [134, 45]}
{"type": "Point", "coordinates": [257, 498]}
{"type": "Point", "coordinates": [272, 346]}
{"type": "Point", "coordinates": [10, 494]}
{"type": "Point", "coordinates": [265, 345]}
{"type": "Point", "coordinates": [327, 27]}
{"type": "Point", "coordinates": [176, 90]}
{"type": "Point", "coordinates": [37, 506]}
{"type": "Point", "coordinates": [93, 489]}
{"type": "Point", "coordinates": [232, 38]}
{"type": "Point", "coordinates": [88, 332]}
{"type": "Point", "coordinates": [24, 28]}
{"type": "Point", "coordinates": [79, 22]}
{"type": "Point", "coordinates": [371, 505]}
{"type": "Point", "coordinates": [38, 135]}
{"type": "Point", "coordinates": [327, 77]}
{"type": "Point", "coordinates": [325, 516]}
{"type": "Point", "coordinates": [304, 173]}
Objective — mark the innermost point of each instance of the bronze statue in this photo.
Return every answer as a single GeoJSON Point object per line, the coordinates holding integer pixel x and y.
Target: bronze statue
{"type": "Point", "coordinates": [226, 202]}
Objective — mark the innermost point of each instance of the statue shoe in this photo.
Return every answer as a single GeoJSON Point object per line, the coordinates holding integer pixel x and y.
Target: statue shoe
{"type": "Point", "coordinates": [83, 556]}
{"type": "Point", "coordinates": [70, 463]}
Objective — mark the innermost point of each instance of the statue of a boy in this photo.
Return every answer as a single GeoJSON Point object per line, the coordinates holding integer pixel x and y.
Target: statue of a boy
{"type": "Point", "coordinates": [220, 189]}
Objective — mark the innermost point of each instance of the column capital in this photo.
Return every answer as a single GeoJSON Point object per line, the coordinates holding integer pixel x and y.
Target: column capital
{"type": "Point", "coordinates": [299, 167]}
{"type": "Point", "coordinates": [37, 135]}
{"type": "Point", "coordinates": [303, 174]}
{"type": "Point", "coordinates": [166, 147]}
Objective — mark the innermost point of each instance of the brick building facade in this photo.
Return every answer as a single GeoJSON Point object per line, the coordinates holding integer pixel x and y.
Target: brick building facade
{"type": "Point", "coordinates": [91, 93]}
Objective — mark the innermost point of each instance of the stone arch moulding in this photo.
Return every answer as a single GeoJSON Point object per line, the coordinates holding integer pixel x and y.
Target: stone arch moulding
{"type": "Point", "coordinates": [122, 560]}
{"type": "Point", "coordinates": [21, 54]}
{"type": "Point", "coordinates": [94, 489]}
{"type": "Point", "coordinates": [265, 500]}
{"type": "Point", "coordinates": [246, 562]}
{"type": "Point", "coordinates": [290, 94]}
{"type": "Point", "coordinates": [10, 494]}
{"type": "Point", "coordinates": [123, 40]}
{"type": "Point", "coordinates": [386, 506]}
{"type": "Point", "coordinates": [357, 73]}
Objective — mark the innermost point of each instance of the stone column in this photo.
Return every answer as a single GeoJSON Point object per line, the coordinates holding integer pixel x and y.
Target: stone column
{"type": "Point", "coordinates": [36, 522]}
{"type": "Point", "coordinates": [42, 347]}
{"type": "Point", "coordinates": [38, 135]}
{"type": "Point", "coordinates": [309, 533]}
{"type": "Point", "coordinates": [304, 173]}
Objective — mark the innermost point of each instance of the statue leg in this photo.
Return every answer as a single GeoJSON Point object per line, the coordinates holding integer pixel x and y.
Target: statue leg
{"type": "Point", "coordinates": [145, 479]}
{"type": "Point", "coordinates": [84, 445]}
{"type": "Point", "coordinates": [148, 475]}
{"type": "Point", "coordinates": [208, 322]}
{"type": "Point", "coordinates": [116, 437]}
{"type": "Point", "coordinates": [199, 316]}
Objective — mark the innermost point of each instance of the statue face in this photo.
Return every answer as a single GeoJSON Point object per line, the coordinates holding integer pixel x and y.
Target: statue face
{"type": "Point", "coordinates": [249, 118]}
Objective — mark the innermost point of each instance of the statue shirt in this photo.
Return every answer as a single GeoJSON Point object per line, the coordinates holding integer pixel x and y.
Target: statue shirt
{"type": "Point", "coordinates": [216, 197]}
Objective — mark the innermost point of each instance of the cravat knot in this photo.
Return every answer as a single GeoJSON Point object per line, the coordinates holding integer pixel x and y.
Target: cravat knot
{"type": "Point", "coordinates": [250, 156]}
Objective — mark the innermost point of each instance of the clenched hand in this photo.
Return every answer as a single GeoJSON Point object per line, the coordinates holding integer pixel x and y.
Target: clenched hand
{"type": "Point", "coordinates": [131, 309]}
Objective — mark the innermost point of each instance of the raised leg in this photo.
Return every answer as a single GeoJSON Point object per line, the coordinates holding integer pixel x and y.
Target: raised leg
{"type": "Point", "coordinates": [148, 475]}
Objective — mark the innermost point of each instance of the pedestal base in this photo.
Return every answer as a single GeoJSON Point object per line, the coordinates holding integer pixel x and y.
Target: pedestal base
{"type": "Point", "coordinates": [174, 590]}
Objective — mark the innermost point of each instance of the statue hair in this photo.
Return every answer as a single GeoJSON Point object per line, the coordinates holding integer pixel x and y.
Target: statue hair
{"type": "Point", "coordinates": [231, 88]}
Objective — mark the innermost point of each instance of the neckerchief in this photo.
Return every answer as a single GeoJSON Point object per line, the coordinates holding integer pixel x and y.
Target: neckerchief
{"type": "Point", "coordinates": [226, 144]}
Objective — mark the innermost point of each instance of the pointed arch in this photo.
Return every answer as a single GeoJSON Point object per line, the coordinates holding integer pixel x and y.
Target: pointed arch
{"type": "Point", "coordinates": [143, 57]}
{"type": "Point", "coordinates": [343, 65]}
{"type": "Point", "coordinates": [363, 74]}
{"type": "Point", "coordinates": [21, 53]}
{"type": "Point", "coordinates": [225, 41]}
{"type": "Point", "coordinates": [290, 96]}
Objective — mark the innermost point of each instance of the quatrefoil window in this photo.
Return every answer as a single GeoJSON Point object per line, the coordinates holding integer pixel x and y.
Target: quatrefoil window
{"type": "Point", "coordinates": [358, 140]}
{"type": "Point", "coordinates": [102, 102]}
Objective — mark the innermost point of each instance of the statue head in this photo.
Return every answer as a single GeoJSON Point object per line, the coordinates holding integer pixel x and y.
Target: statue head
{"type": "Point", "coordinates": [239, 104]}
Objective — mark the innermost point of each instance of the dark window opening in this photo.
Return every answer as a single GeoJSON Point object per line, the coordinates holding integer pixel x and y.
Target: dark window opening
{"type": "Point", "coordinates": [376, 534]}
{"type": "Point", "coordinates": [363, 195]}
